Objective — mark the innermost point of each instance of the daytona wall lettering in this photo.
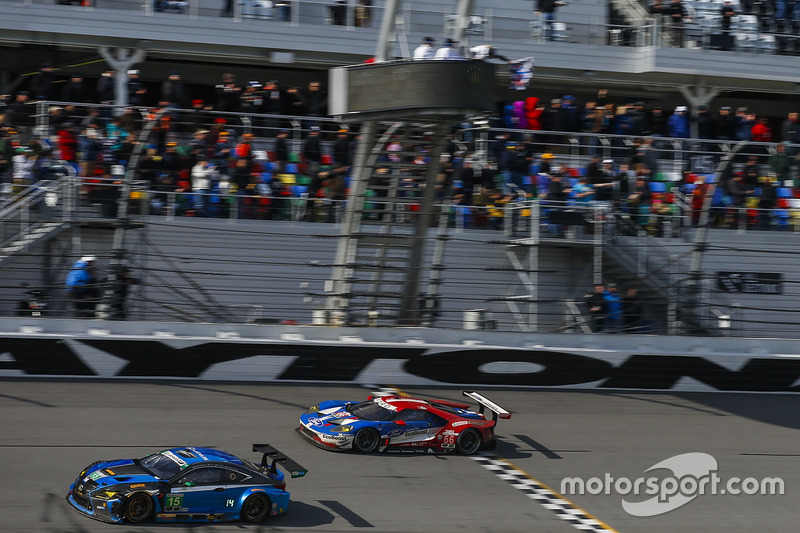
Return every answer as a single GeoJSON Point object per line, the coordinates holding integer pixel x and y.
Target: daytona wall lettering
{"type": "Point", "coordinates": [332, 363]}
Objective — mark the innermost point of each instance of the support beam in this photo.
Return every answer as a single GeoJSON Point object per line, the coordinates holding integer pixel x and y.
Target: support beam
{"type": "Point", "coordinates": [698, 95]}
{"type": "Point", "coordinates": [387, 30]}
{"type": "Point", "coordinates": [121, 61]}
{"type": "Point", "coordinates": [465, 8]}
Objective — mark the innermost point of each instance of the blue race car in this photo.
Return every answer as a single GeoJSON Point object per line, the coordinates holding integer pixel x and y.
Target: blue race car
{"type": "Point", "coordinates": [401, 424]}
{"type": "Point", "coordinates": [185, 485]}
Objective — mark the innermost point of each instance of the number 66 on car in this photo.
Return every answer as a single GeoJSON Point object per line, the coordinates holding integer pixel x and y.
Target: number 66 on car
{"type": "Point", "coordinates": [402, 424]}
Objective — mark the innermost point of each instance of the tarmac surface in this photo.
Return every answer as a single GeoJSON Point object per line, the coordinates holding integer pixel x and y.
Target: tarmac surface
{"type": "Point", "coordinates": [52, 429]}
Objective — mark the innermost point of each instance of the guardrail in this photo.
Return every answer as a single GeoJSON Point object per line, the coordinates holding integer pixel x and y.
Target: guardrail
{"type": "Point", "coordinates": [702, 30]}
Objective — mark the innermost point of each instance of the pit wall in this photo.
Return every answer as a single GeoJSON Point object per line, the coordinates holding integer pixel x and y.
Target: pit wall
{"type": "Point", "coordinates": [396, 356]}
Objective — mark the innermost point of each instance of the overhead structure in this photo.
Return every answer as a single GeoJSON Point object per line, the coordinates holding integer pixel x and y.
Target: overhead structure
{"type": "Point", "coordinates": [405, 109]}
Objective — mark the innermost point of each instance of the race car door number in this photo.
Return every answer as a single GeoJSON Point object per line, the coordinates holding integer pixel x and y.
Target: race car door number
{"type": "Point", "coordinates": [173, 501]}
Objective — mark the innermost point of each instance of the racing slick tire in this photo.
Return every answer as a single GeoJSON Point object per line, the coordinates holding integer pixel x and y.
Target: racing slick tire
{"type": "Point", "coordinates": [366, 441]}
{"type": "Point", "coordinates": [255, 508]}
{"type": "Point", "coordinates": [468, 442]}
{"type": "Point", "coordinates": [139, 508]}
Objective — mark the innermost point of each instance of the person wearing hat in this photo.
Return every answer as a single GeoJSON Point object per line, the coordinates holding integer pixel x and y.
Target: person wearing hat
{"type": "Point", "coordinates": [601, 177]}
{"type": "Point", "coordinates": [43, 85]}
{"type": "Point", "coordinates": [679, 123]}
{"type": "Point", "coordinates": [546, 167]}
{"type": "Point", "coordinates": [81, 286]}
{"type": "Point", "coordinates": [341, 148]}
{"type": "Point", "coordinates": [571, 113]}
{"type": "Point", "coordinates": [137, 92]}
{"type": "Point", "coordinates": [448, 51]}
{"type": "Point", "coordinates": [425, 49]}
{"type": "Point", "coordinates": [251, 99]}
{"type": "Point", "coordinates": [106, 88]}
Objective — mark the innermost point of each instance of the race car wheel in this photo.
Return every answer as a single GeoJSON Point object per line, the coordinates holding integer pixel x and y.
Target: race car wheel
{"type": "Point", "coordinates": [366, 441]}
{"type": "Point", "coordinates": [255, 508]}
{"type": "Point", "coordinates": [468, 442]}
{"type": "Point", "coordinates": [139, 508]}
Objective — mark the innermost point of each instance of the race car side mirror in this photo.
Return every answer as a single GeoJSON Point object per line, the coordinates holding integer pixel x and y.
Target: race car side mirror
{"type": "Point", "coordinates": [189, 484]}
{"type": "Point", "coordinates": [400, 422]}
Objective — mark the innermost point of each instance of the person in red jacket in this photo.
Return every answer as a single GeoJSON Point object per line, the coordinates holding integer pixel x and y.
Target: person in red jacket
{"type": "Point", "coordinates": [761, 132]}
{"type": "Point", "coordinates": [533, 112]}
{"type": "Point", "coordinates": [67, 142]}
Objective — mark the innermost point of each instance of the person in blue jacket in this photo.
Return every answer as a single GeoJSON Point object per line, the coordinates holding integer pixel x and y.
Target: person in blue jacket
{"type": "Point", "coordinates": [82, 287]}
{"type": "Point", "coordinates": [679, 123]}
{"type": "Point", "coordinates": [613, 321]}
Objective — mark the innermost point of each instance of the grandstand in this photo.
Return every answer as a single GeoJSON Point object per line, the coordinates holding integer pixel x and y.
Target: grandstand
{"type": "Point", "coordinates": [266, 257]}
{"type": "Point", "coordinates": [204, 45]}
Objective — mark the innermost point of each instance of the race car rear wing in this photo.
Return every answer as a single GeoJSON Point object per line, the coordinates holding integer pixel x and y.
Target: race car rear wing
{"type": "Point", "coordinates": [483, 401]}
{"type": "Point", "coordinates": [277, 457]}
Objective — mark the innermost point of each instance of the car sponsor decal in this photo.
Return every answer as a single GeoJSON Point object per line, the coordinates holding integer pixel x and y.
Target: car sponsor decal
{"type": "Point", "coordinates": [175, 458]}
{"type": "Point", "coordinates": [385, 405]}
{"type": "Point", "coordinates": [467, 423]}
{"type": "Point", "coordinates": [94, 476]}
{"type": "Point", "coordinates": [334, 438]}
{"type": "Point", "coordinates": [394, 433]}
{"type": "Point", "coordinates": [342, 421]}
{"type": "Point", "coordinates": [333, 411]}
{"type": "Point", "coordinates": [200, 455]}
{"type": "Point", "coordinates": [173, 502]}
{"type": "Point", "coordinates": [416, 432]}
{"type": "Point", "coordinates": [314, 421]}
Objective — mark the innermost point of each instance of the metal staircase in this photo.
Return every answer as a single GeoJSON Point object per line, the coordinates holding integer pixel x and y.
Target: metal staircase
{"type": "Point", "coordinates": [634, 257]}
{"type": "Point", "coordinates": [379, 266]}
{"type": "Point", "coordinates": [35, 216]}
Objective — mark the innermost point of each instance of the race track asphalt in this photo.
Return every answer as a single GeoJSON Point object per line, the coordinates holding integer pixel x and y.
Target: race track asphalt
{"type": "Point", "coordinates": [50, 430]}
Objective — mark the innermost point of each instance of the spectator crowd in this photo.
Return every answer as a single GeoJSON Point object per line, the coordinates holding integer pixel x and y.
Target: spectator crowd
{"type": "Point", "coordinates": [195, 152]}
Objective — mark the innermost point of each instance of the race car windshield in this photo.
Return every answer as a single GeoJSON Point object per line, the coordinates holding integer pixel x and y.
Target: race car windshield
{"type": "Point", "coordinates": [160, 465]}
{"type": "Point", "coordinates": [371, 411]}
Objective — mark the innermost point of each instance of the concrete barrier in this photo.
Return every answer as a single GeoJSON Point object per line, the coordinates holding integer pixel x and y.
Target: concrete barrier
{"type": "Point", "coordinates": [397, 356]}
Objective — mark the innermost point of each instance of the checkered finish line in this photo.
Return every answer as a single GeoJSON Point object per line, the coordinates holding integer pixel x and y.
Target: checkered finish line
{"type": "Point", "coordinates": [563, 508]}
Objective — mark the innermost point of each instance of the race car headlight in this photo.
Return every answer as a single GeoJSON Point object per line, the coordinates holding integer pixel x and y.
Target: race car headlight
{"type": "Point", "coordinates": [313, 409]}
{"type": "Point", "coordinates": [342, 429]}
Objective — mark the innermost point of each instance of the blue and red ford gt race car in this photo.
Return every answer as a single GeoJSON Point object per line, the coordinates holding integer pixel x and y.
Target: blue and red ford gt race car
{"type": "Point", "coordinates": [402, 424]}
{"type": "Point", "coordinates": [185, 485]}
